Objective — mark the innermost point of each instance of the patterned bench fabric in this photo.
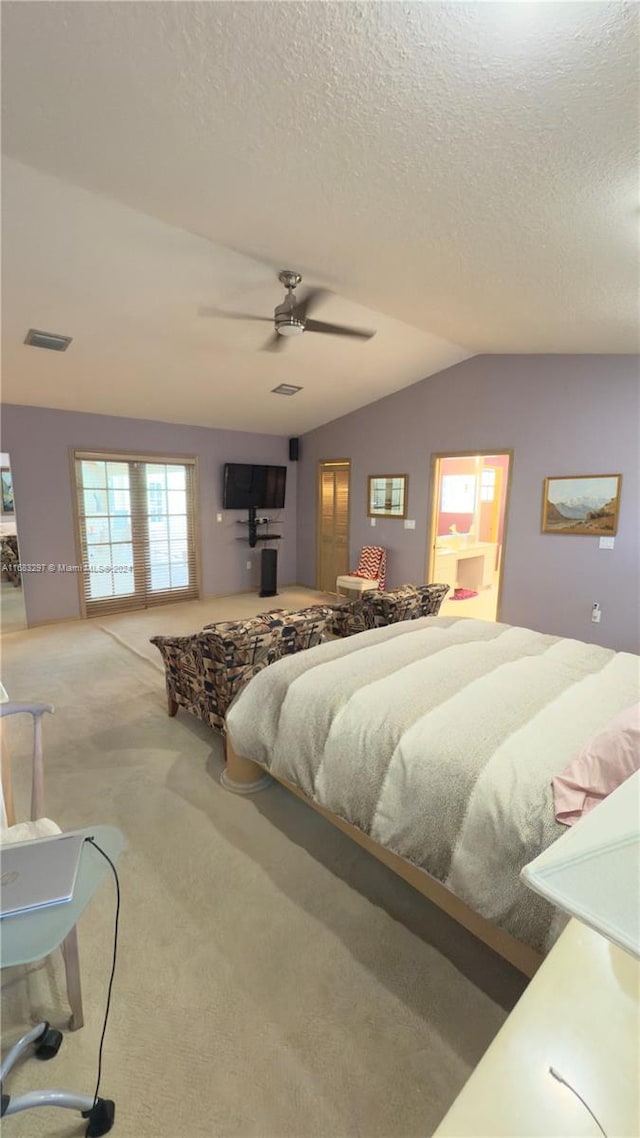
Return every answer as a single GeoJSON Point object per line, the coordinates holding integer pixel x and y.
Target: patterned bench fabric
{"type": "Point", "coordinates": [431, 597]}
{"type": "Point", "coordinates": [378, 609]}
{"type": "Point", "coordinates": [381, 609]}
{"type": "Point", "coordinates": [10, 558]}
{"type": "Point", "coordinates": [204, 672]}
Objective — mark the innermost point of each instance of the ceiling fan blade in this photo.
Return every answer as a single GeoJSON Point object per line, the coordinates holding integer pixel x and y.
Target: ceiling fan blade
{"type": "Point", "coordinates": [234, 315]}
{"type": "Point", "coordinates": [274, 344]}
{"type": "Point", "coordinates": [338, 329]}
{"type": "Point", "coordinates": [309, 300]}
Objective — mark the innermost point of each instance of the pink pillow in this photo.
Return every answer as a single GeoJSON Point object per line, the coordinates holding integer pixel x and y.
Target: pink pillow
{"type": "Point", "coordinates": [603, 763]}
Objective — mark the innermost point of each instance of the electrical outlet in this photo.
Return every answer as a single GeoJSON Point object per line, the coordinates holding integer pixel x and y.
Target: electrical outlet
{"type": "Point", "coordinates": [606, 542]}
{"type": "Point", "coordinates": [409, 523]}
{"type": "Point", "coordinates": [248, 564]}
{"type": "Point", "coordinates": [596, 613]}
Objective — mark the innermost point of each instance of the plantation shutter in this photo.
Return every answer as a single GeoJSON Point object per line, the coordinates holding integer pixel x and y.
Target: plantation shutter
{"type": "Point", "coordinates": [333, 513]}
{"type": "Point", "coordinates": [342, 520]}
{"type": "Point", "coordinates": [137, 530]}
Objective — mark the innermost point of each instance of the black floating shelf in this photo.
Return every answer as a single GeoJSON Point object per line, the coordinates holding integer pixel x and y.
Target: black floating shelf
{"type": "Point", "coordinates": [263, 537]}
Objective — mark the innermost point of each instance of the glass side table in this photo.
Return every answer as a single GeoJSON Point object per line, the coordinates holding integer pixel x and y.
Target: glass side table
{"type": "Point", "coordinates": [25, 937]}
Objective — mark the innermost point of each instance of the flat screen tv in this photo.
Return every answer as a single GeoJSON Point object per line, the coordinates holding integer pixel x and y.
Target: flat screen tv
{"type": "Point", "coordinates": [247, 485]}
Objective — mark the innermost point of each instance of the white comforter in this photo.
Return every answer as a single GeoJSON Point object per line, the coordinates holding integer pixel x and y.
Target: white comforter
{"type": "Point", "coordinates": [439, 738]}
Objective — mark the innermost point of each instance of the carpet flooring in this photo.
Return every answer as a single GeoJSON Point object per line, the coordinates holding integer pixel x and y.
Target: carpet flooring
{"type": "Point", "coordinates": [12, 614]}
{"type": "Point", "coordinates": [135, 629]}
{"type": "Point", "coordinates": [273, 980]}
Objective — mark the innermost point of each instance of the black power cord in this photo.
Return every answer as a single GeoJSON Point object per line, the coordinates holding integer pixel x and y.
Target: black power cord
{"type": "Point", "coordinates": [93, 842]}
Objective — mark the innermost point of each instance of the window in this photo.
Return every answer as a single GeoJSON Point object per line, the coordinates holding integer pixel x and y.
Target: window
{"type": "Point", "coordinates": [458, 495]}
{"type": "Point", "coordinates": [487, 485]}
{"type": "Point", "coordinates": [136, 520]}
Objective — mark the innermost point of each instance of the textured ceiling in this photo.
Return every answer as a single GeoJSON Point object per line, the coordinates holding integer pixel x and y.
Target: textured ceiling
{"type": "Point", "coordinates": [129, 290]}
{"type": "Point", "coordinates": [468, 169]}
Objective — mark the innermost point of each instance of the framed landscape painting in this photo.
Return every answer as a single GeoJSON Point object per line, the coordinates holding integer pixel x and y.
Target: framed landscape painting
{"type": "Point", "coordinates": [584, 504]}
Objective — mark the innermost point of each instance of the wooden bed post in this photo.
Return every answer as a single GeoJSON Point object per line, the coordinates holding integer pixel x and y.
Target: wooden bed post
{"type": "Point", "coordinates": [241, 776]}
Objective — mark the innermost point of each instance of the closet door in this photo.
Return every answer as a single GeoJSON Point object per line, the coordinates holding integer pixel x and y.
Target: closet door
{"type": "Point", "coordinates": [333, 523]}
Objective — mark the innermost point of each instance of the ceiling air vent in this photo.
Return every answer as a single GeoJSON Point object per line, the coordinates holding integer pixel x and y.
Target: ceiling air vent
{"type": "Point", "coordinates": [285, 389]}
{"type": "Point", "coordinates": [47, 340]}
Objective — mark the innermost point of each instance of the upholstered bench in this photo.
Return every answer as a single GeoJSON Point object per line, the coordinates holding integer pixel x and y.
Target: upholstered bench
{"type": "Point", "coordinates": [376, 609]}
{"type": "Point", "coordinates": [10, 559]}
{"type": "Point", "coordinates": [205, 671]}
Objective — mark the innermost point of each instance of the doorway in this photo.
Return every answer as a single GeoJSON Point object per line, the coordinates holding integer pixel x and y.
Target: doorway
{"type": "Point", "coordinates": [13, 617]}
{"type": "Point", "coordinates": [332, 538]}
{"type": "Point", "coordinates": [469, 508]}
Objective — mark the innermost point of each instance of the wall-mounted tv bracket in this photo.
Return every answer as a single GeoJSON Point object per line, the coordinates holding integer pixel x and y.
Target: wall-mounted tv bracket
{"type": "Point", "coordinates": [253, 524]}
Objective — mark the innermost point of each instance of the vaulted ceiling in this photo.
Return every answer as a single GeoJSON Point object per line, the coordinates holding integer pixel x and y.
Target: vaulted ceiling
{"type": "Point", "coordinates": [462, 176]}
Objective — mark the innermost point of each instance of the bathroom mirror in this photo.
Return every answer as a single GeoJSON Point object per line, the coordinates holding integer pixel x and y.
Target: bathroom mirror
{"type": "Point", "coordinates": [388, 495]}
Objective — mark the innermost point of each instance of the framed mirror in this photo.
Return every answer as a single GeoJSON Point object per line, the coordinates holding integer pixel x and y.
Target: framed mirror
{"type": "Point", "coordinates": [388, 495]}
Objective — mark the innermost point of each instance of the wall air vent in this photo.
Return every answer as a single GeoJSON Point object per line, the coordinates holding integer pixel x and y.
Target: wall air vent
{"type": "Point", "coordinates": [47, 340]}
{"type": "Point", "coordinates": [285, 389]}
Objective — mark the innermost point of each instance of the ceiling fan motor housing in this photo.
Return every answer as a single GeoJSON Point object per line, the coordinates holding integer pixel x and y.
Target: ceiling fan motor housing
{"type": "Point", "coordinates": [287, 323]}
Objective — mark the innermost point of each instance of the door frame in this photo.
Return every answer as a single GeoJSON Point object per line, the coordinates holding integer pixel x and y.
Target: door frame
{"type": "Point", "coordinates": [472, 452]}
{"type": "Point", "coordinates": [323, 462]}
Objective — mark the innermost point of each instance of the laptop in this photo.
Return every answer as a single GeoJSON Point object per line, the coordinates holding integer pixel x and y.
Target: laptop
{"type": "Point", "coordinates": [38, 873]}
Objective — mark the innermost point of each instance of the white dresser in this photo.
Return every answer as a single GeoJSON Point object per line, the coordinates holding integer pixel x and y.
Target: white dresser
{"type": "Point", "coordinates": [581, 1015]}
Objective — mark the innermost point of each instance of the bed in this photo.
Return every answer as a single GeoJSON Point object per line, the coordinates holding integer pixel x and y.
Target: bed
{"type": "Point", "coordinates": [433, 744]}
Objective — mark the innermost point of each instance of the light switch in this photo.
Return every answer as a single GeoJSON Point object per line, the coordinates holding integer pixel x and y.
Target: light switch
{"type": "Point", "coordinates": [606, 542]}
{"type": "Point", "coordinates": [218, 517]}
{"type": "Point", "coordinates": [409, 523]}
{"type": "Point", "coordinates": [373, 521]}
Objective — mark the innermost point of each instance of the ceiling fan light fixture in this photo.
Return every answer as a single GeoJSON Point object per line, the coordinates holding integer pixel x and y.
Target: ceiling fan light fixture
{"type": "Point", "coordinates": [289, 327]}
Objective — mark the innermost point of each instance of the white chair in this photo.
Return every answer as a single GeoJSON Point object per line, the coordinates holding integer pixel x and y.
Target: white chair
{"type": "Point", "coordinates": [38, 827]}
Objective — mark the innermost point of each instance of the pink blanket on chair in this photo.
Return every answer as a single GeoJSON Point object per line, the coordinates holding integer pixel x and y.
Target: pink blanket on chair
{"type": "Point", "coordinates": [372, 565]}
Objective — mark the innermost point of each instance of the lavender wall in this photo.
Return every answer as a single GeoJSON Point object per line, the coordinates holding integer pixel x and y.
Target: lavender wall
{"type": "Point", "coordinates": [38, 441]}
{"type": "Point", "coordinates": [560, 415]}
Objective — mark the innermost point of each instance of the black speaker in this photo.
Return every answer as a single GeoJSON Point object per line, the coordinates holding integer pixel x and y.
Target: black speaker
{"type": "Point", "coordinates": [268, 573]}
{"type": "Point", "coordinates": [294, 450]}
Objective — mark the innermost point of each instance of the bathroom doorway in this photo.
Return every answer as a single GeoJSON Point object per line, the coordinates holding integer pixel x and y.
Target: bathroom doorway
{"type": "Point", "coordinates": [469, 506]}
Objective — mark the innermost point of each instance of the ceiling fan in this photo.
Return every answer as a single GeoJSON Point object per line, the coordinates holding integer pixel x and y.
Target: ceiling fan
{"type": "Point", "coordinates": [291, 318]}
